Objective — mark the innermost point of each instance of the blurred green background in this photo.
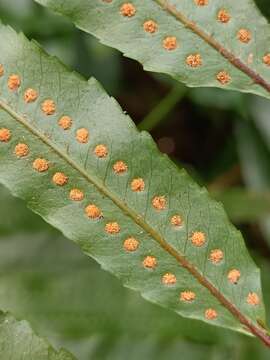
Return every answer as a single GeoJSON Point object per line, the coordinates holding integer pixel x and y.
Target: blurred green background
{"type": "Point", "coordinates": [221, 138]}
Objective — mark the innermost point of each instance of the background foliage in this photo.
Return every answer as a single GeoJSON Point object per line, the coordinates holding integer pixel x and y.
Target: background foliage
{"type": "Point", "coordinates": [222, 138]}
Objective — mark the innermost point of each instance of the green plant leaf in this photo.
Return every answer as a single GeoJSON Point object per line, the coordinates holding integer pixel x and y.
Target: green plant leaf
{"type": "Point", "coordinates": [29, 290]}
{"type": "Point", "coordinates": [215, 44]}
{"type": "Point", "coordinates": [18, 341]}
{"type": "Point", "coordinates": [40, 288]}
{"type": "Point", "coordinates": [160, 234]}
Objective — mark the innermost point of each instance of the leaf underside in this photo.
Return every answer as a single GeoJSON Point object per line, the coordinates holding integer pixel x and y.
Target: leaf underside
{"type": "Point", "coordinates": [17, 341]}
{"type": "Point", "coordinates": [89, 107]}
{"type": "Point", "coordinates": [229, 59]}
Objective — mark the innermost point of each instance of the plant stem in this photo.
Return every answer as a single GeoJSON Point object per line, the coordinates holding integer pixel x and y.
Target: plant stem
{"type": "Point", "coordinates": [163, 108]}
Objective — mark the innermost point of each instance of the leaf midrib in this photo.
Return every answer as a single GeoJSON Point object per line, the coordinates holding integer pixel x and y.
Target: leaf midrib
{"type": "Point", "coordinates": [210, 40]}
{"type": "Point", "coordinates": [180, 258]}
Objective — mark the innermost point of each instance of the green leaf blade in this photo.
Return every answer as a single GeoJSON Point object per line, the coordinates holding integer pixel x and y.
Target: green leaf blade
{"type": "Point", "coordinates": [18, 341]}
{"type": "Point", "coordinates": [91, 108]}
{"type": "Point", "coordinates": [197, 31]}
